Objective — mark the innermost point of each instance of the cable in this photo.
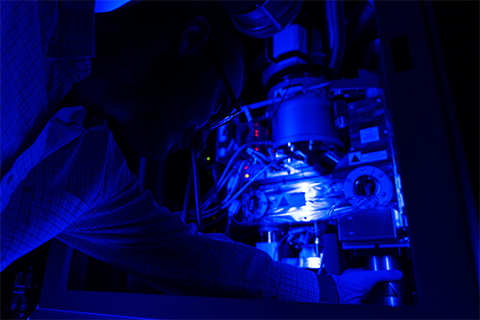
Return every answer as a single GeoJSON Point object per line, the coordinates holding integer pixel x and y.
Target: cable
{"type": "Point", "coordinates": [277, 248]}
{"type": "Point", "coordinates": [252, 180]}
{"type": "Point", "coordinates": [227, 228]}
{"type": "Point", "coordinates": [256, 143]}
{"type": "Point", "coordinates": [332, 208]}
{"type": "Point", "coordinates": [226, 181]}
{"type": "Point", "coordinates": [224, 178]}
{"type": "Point", "coordinates": [210, 195]}
{"type": "Point", "coordinates": [349, 209]}
{"type": "Point", "coordinates": [212, 211]}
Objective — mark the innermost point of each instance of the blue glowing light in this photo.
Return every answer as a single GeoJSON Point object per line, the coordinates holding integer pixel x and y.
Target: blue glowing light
{"type": "Point", "coordinates": [313, 262]}
{"type": "Point", "coordinates": [305, 187]}
{"type": "Point", "coordinates": [375, 266]}
{"type": "Point", "coordinates": [108, 5]}
{"type": "Point", "coordinates": [387, 262]}
{"type": "Point", "coordinates": [398, 219]}
{"type": "Point", "coordinates": [392, 301]}
{"type": "Point", "coordinates": [76, 313]}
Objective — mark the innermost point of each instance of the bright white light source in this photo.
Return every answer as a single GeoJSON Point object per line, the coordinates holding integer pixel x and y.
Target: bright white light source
{"type": "Point", "coordinates": [387, 262]}
{"type": "Point", "coordinates": [313, 262]}
{"type": "Point", "coordinates": [305, 187]}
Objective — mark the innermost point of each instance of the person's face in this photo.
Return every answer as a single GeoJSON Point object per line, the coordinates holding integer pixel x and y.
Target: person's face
{"type": "Point", "coordinates": [202, 94]}
{"type": "Point", "coordinates": [177, 107]}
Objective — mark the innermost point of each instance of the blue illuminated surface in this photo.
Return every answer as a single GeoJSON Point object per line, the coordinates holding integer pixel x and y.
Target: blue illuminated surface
{"type": "Point", "coordinates": [92, 314]}
{"type": "Point", "coordinates": [392, 301]}
{"type": "Point", "coordinates": [108, 5]}
{"type": "Point", "coordinates": [398, 219]}
{"type": "Point", "coordinates": [375, 266]}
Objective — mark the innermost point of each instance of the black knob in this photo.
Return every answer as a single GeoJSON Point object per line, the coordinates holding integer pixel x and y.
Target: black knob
{"type": "Point", "coordinates": [365, 186]}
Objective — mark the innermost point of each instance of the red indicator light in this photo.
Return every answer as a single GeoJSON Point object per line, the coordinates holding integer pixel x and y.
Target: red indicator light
{"type": "Point", "coordinates": [256, 149]}
{"type": "Point", "coordinates": [256, 134]}
{"type": "Point", "coordinates": [246, 167]}
{"type": "Point", "coordinates": [256, 124]}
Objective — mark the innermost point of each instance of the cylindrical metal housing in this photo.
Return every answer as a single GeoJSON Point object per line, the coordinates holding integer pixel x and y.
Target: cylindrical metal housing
{"type": "Point", "coordinates": [388, 293]}
{"type": "Point", "coordinates": [304, 117]}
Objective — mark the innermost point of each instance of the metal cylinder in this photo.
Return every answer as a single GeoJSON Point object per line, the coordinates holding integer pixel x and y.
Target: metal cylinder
{"type": "Point", "coordinates": [304, 117]}
{"type": "Point", "coordinates": [271, 237]}
{"type": "Point", "coordinates": [388, 293]}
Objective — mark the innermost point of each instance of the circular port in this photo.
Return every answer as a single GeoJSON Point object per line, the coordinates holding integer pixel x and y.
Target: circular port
{"type": "Point", "coordinates": [253, 204]}
{"type": "Point", "coordinates": [369, 182]}
{"type": "Point", "coordinates": [365, 186]}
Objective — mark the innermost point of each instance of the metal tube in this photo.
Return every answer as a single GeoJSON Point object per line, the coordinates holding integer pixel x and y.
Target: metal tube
{"type": "Point", "coordinates": [389, 293]}
{"type": "Point", "coordinates": [198, 205]}
{"type": "Point", "coordinates": [317, 239]}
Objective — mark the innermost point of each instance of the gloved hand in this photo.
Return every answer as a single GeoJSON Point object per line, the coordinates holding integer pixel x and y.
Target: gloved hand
{"type": "Point", "coordinates": [353, 284]}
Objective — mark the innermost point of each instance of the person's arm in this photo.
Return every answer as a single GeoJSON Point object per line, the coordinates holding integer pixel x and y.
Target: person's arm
{"type": "Point", "coordinates": [128, 230]}
{"type": "Point", "coordinates": [46, 46]}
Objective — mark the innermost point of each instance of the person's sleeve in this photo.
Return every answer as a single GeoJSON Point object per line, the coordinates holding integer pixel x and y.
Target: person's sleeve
{"type": "Point", "coordinates": [328, 289]}
{"type": "Point", "coordinates": [134, 234]}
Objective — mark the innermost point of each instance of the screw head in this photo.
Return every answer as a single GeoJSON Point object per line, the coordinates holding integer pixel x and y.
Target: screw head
{"type": "Point", "coordinates": [13, 306]}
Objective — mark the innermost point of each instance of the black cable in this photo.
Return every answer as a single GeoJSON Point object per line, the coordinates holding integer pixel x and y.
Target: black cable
{"type": "Point", "coordinates": [196, 184]}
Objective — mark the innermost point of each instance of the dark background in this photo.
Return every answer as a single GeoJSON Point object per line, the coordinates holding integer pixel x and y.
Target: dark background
{"type": "Point", "coordinates": [458, 27]}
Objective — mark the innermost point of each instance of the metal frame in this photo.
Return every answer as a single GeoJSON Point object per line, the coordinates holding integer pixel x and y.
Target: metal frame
{"type": "Point", "coordinates": [442, 216]}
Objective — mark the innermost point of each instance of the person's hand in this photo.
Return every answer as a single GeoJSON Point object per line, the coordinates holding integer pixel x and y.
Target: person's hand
{"type": "Point", "coordinates": [353, 284]}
